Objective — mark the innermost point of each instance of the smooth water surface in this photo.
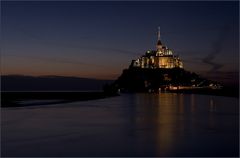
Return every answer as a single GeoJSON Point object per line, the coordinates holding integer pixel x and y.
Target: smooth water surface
{"type": "Point", "coordinates": [164, 124]}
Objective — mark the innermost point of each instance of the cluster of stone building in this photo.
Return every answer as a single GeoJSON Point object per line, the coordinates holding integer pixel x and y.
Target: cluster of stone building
{"type": "Point", "coordinates": [160, 58]}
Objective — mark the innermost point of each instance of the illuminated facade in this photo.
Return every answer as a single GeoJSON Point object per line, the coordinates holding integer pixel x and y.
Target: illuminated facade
{"type": "Point", "coordinates": [160, 58]}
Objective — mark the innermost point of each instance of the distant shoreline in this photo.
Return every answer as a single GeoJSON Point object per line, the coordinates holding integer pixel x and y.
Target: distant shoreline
{"type": "Point", "coordinates": [16, 99]}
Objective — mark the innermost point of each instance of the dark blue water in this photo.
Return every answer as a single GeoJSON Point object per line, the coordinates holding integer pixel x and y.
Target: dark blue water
{"type": "Point", "coordinates": [129, 125]}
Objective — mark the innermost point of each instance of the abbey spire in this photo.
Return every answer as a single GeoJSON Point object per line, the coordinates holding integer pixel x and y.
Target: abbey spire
{"type": "Point", "coordinates": [159, 43]}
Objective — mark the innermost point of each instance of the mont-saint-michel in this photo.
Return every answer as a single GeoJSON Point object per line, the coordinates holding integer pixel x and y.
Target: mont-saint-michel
{"type": "Point", "coordinates": [161, 70]}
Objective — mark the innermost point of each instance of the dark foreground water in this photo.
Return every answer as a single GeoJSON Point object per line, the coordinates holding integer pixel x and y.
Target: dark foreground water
{"type": "Point", "coordinates": [128, 125]}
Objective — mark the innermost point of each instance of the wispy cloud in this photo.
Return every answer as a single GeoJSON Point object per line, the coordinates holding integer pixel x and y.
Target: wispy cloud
{"type": "Point", "coordinates": [216, 50]}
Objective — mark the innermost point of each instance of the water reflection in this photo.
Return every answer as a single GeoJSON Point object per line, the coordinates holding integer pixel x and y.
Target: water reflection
{"type": "Point", "coordinates": [159, 121]}
{"type": "Point", "coordinates": [192, 103]}
{"type": "Point", "coordinates": [212, 126]}
{"type": "Point", "coordinates": [165, 124]}
{"type": "Point", "coordinates": [212, 106]}
{"type": "Point", "coordinates": [170, 124]}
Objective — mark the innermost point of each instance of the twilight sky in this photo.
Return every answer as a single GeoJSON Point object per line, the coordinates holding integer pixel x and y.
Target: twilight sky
{"type": "Point", "coordinates": [99, 39]}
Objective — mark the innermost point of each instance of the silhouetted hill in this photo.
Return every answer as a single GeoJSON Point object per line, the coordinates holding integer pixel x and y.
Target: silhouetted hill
{"type": "Point", "coordinates": [50, 83]}
{"type": "Point", "coordinates": [177, 80]}
{"type": "Point", "coordinates": [138, 79]}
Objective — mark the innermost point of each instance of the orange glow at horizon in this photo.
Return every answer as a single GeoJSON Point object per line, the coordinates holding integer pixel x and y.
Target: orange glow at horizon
{"type": "Point", "coordinates": [68, 66]}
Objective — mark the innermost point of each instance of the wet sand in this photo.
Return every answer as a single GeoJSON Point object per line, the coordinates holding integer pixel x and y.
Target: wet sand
{"type": "Point", "coordinates": [17, 99]}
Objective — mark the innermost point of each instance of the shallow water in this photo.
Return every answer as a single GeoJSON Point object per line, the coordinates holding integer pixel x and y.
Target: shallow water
{"type": "Point", "coordinates": [129, 125]}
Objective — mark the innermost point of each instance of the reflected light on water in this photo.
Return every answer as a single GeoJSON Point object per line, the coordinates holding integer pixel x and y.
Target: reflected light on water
{"type": "Point", "coordinates": [172, 123]}
{"type": "Point", "coordinates": [193, 103]}
{"type": "Point", "coordinates": [212, 113]}
{"type": "Point", "coordinates": [212, 106]}
{"type": "Point", "coordinates": [161, 116]}
{"type": "Point", "coordinates": [166, 121]}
